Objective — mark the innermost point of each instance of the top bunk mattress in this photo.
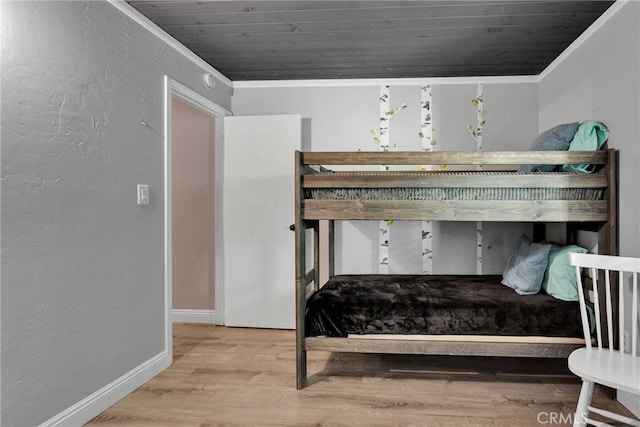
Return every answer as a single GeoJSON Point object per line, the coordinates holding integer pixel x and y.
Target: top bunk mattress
{"type": "Point", "coordinates": [435, 305]}
{"type": "Point", "coordinates": [444, 192]}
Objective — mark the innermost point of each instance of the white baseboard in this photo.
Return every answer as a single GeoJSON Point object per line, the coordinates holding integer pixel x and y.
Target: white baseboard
{"type": "Point", "coordinates": [94, 404]}
{"type": "Point", "coordinates": [194, 316]}
{"type": "Point", "coordinates": [630, 401]}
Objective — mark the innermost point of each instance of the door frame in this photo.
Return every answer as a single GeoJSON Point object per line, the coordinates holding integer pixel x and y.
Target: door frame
{"type": "Point", "coordinates": [174, 88]}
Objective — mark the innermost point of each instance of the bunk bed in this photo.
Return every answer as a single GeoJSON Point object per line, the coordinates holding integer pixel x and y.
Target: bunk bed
{"type": "Point", "coordinates": [473, 186]}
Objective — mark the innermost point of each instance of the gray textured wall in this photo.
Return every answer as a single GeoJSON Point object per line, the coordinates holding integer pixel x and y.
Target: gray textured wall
{"type": "Point", "coordinates": [600, 81]}
{"type": "Point", "coordinates": [339, 118]}
{"type": "Point", "coordinates": [82, 264]}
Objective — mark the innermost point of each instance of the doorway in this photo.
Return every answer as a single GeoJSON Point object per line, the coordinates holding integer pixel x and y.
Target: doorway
{"type": "Point", "coordinates": [193, 232]}
{"type": "Point", "coordinates": [193, 216]}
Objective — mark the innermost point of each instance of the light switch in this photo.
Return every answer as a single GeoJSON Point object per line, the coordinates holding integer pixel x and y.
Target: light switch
{"type": "Point", "coordinates": [143, 194]}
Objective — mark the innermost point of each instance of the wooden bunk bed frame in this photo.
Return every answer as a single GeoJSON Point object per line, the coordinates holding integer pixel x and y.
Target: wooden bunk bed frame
{"type": "Point", "coordinates": [593, 215]}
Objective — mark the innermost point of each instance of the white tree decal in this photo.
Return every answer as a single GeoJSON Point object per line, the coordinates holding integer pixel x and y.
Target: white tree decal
{"type": "Point", "coordinates": [427, 144]}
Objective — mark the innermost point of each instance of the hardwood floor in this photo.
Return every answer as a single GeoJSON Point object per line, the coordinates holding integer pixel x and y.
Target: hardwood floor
{"type": "Point", "coordinates": [246, 377]}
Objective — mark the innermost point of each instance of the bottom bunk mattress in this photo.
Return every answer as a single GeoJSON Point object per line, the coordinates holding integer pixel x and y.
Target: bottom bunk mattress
{"type": "Point", "coordinates": [435, 305]}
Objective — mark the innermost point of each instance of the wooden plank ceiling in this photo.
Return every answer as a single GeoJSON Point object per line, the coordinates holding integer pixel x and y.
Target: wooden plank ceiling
{"type": "Point", "coordinates": [283, 40]}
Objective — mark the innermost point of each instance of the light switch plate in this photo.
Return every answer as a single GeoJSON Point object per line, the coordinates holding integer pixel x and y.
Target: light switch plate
{"type": "Point", "coordinates": [143, 194]}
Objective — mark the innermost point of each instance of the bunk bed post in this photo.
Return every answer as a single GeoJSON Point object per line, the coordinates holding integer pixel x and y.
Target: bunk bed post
{"type": "Point", "coordinates": [301, 354]}
{"type": "Point", "coordinates": [332, 247]}
{"type": "Point", "coordinates": [608, 232]}
{"type": "Point", "coordinates": [316, 255]}
{"type": "Point", "coordinates": [539, 232]}
{"type": "Point", "coordinates": [571, 233]}
{"type": "Point", "coordinates": [608, 236]}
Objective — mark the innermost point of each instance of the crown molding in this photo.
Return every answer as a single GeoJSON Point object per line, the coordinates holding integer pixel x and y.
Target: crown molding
{"type": "Point", "coordinates": [145, 22]}
{"type": "Point", "coordinates": [379, 82]}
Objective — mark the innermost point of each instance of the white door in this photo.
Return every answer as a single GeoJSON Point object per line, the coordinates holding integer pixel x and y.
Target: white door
{"type": "Point", "coordinates": [258, 208]}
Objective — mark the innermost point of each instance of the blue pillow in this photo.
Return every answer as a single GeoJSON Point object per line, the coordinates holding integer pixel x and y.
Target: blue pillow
{"type": "Point", "coordinates": [590, 136]}
{"type": "Point", "coordinates": [526, 266]}
{"type": "Point", "coordinates": [558, 138]}
{"type": "Point", "coordinates": [560, 277]}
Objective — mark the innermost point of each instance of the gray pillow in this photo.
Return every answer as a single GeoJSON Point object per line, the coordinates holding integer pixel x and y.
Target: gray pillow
{"type": "Point", "coordinates": [526, 266]}
{"type": "Point", "coordinates": [558, 138]}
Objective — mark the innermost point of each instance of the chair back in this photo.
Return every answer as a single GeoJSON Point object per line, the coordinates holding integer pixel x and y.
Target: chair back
{"type": "Point", "coordinates": [604, 271]}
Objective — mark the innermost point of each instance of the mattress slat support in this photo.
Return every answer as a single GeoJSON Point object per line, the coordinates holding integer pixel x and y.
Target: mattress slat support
{"type": "Point", "coordinates": [453, 348]}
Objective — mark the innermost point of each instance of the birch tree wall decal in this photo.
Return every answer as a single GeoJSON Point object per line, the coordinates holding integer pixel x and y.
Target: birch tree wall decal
{"type": "Point", "coordinates": [427, 144]}
{"type": "Point", "coordinates": [381, 137]}
{"type": "Point", "coordinates": [476, 133]}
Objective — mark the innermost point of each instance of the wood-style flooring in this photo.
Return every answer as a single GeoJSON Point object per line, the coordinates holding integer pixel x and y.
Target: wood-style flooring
{"type": "Point", "coordinates": [246, 377]}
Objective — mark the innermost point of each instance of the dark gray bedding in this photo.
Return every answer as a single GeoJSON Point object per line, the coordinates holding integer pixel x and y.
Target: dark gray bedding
{"type": "Point", "coordinates": [440, 305]}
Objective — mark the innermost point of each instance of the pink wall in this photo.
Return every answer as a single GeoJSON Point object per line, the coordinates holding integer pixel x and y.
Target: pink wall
{"type": "Point", "coordinates": [193, 207]}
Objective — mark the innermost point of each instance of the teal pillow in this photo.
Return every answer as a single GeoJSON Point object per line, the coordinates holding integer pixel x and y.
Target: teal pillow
{"type": "Point", "coordinates": [590, 136]}
{"type": "Point", "coordinates": [560, 277]}
{"type": "Point", "coordinates": [526, 266]}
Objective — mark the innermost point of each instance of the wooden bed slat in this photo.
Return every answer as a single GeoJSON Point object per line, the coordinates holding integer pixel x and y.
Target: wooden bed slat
{"type": "Point", "coordinates": [472, 338]}
{"type": "Point", "coordinates": [453, 348]}
{"type": "Point", "coordinates": [457, 210]}
{"type": "Point", "coordinates": [453, 158]}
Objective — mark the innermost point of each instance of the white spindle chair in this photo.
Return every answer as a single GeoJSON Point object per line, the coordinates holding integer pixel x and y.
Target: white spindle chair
{"type": "Point", "coordinates": [605, 364]}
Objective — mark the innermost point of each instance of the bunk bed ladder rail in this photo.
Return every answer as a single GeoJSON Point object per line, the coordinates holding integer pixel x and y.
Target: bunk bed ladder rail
{"type": "Point", "coordinates": [306, 282]}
